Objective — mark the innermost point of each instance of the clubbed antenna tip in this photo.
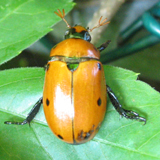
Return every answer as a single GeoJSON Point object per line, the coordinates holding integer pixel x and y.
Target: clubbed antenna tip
{"type": "Point", "coordinates": [104, 22]}
{"type": "Point", "coordinates": [62, 15]}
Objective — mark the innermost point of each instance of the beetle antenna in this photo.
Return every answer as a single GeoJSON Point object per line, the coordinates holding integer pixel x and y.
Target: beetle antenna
{"type": "Point", "coordinates": [104, 22]}
{"type": "Point", "coordinates": [62, 15]}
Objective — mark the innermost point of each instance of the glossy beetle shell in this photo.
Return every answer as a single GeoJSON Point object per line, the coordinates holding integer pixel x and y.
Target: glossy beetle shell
{"type": "Point", "coordinates": [75, 101]}
{"type": "Point", "coordinates": [75, 48]}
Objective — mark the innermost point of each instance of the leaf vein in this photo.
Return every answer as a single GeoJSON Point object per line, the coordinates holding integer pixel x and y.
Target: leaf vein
{"type": "Point", "coordinates": [122, 147]}
{"type": "Point", "coordinates": [7, 15]}
{"type": "Point", "coordinates": [26, 79]}
{"type": "Point", "coordinates": [148, 140]}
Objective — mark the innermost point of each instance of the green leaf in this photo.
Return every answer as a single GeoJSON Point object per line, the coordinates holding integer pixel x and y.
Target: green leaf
{"type": "Point", "coordinates": [22, 22]}
{"type": "Point", "coordinates": [117, 138]}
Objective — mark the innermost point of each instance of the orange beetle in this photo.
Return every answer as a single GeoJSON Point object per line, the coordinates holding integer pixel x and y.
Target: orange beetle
{"type": "Point", "coordinates": [74, 97]}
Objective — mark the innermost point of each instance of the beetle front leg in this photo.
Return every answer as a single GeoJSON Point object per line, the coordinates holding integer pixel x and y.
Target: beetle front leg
{"type": "Point", "coordinates": [123, 112]}
{"type": "Point", "coordinates": [30, 116]}
{"type": "Point", "coordinates": [104, 45]}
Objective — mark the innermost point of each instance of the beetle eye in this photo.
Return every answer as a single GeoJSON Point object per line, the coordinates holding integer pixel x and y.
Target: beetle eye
{"type": "Point", "coordinates": [66, 34]}
{"type": "Point", "coordinates": [87, 37]}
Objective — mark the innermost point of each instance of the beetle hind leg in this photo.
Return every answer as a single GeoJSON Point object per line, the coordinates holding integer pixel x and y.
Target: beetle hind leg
{"type": "Point", "coordinates": [30, 116]}
{"type": "Point", "coordinates": [132, 115]}
{"type": "Point", "coordinates": [123, 112]}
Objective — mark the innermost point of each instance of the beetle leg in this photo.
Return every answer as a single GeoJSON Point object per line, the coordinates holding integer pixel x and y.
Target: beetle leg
{"type": "Point", "coordinates": [123, 112]}
{"type": "Point", "coordinates": [30, 116]}
{"type": "Point", "coordinates": [104, 45]}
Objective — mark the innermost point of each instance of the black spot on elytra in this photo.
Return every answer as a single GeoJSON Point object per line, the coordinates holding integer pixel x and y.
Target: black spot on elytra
{"type": "Point", "coordinates": [60, 136]}
{"type": "Point", "coordinates": [47, 102]}
{"type": "Point", "coordinates": [99, 101]}
{"type": "Point", "coordinates": [85, 135]}
{"type": "Point", "coordinates": [99, 66]}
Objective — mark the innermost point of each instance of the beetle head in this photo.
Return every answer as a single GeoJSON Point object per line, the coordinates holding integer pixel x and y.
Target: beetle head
{"type": "Point", "coordinates": [79, 31]}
